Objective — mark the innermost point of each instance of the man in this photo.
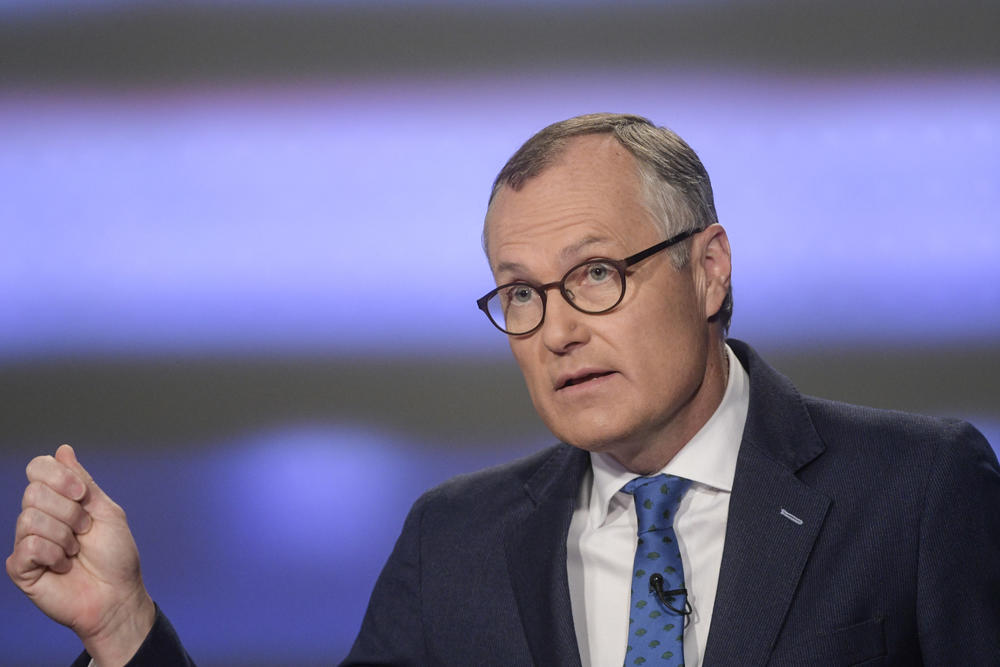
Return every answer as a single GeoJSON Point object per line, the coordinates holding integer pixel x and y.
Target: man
{"type": "Point", "coordinates": [810, 533]}
{"type": "Point", "coordinates": [698, 511]}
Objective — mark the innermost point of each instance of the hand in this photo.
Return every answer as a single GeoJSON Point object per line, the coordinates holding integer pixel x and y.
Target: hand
{"type": "Point", "coordinates": [75, 558]}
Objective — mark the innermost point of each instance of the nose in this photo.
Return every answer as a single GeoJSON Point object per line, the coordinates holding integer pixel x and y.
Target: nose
{"type": "Point", "coordinates": [564, 327]}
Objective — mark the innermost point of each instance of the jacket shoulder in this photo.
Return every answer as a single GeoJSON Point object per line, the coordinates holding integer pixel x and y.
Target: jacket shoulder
{"type": "Point", "coordinates": [499, 484]}
{"type": "Point", "coordinates": [893, 455]}
{"type": "Point", "coordinates": [868, 427]}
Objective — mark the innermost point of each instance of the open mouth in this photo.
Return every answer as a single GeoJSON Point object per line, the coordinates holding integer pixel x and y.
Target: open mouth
{"type": "Point", "coordinates": [584, 378]}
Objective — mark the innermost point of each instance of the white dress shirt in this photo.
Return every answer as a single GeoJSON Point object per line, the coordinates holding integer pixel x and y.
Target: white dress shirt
{"type": "Point", "coordinates": [603, 533]}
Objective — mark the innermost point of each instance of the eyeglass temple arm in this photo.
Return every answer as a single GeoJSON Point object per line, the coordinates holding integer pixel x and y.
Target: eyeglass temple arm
{"type": "Point", "coordinates": [673, 240]}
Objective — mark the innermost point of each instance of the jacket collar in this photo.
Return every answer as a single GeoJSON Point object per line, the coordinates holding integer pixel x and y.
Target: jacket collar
{"type": "Point", "coordinates": [778, 424]}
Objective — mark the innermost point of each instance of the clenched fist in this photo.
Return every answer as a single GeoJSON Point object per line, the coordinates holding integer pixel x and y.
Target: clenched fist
{"type": "Point", "coordinates": [75, 558]}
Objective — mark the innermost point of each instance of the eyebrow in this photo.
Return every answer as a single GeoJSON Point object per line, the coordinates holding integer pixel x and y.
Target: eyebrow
{"type": "Point", "coordinates": [571, 251]}
{"type": "Point", "coordinates": [574, 249]}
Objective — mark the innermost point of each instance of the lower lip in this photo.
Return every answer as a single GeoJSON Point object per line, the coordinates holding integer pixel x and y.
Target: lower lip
{"type": "Point", "coordinates": [595, 383]}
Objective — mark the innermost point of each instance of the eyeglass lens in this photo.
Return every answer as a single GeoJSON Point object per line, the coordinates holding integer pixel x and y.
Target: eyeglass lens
{"type": "Point", "coordinates": [592, 288]}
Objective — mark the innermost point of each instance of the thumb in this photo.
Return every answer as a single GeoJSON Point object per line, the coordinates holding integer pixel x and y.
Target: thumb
{"type": "Point", "coordinates": [93, 496]}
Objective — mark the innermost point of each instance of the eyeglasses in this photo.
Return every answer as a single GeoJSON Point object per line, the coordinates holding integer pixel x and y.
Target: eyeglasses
{"type": "Point", "coordinates": [595, 286]}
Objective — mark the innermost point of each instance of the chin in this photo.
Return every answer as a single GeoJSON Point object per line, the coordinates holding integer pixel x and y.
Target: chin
{"type": "Point", "coordinates": [590, 435]}
{"type": "Point", "coordinates": [596, 446]}
{"type": "Point", "coordinates": [596, 426]}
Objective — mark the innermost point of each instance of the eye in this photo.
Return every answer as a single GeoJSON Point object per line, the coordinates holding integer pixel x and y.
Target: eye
{"type": "Point", "coordinates": [598, 272]}
{"type": "Point", "coordinates": [520, 294]}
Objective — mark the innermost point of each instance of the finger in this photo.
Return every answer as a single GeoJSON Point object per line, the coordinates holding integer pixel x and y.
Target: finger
{"type": "Point", "coordinates": [42, 497]}
{"type": "Point", "coordinates": [56, 475]}
{"type": "Point", "coordinates": [33, 522]}
{"type": "Point", "coordinates": [32, 556]}
{"type": "Point", "coordinates": [67, 457]}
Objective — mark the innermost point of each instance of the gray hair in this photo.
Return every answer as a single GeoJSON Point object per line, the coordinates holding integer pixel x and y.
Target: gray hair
{"type": "Point", "coordinates": [675, 185]}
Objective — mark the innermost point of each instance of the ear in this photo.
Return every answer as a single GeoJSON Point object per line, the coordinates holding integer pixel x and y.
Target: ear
{"type": "Point", "coordinates": [715, 264]}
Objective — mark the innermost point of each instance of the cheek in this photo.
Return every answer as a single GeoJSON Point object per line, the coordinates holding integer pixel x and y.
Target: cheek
{"type": "Point", "coordinates": [527, 360]}
{"type": "Point", "coordinates": [667, 344]}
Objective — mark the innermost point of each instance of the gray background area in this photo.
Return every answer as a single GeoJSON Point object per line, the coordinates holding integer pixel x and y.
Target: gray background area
{"type": "Point", "coordinates": [465, 403]}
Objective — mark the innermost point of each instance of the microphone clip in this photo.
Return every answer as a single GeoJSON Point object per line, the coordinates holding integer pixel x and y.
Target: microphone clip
{"type": "Point", "coordinates": [666, 598]}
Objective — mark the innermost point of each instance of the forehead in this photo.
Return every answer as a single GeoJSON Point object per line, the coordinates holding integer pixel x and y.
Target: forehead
{"type": "Point", "coordinates": [590, 197]}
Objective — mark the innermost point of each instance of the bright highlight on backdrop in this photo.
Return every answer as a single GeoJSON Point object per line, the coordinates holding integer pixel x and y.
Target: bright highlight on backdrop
{"type": "Point", "coordinates": [346, 218]}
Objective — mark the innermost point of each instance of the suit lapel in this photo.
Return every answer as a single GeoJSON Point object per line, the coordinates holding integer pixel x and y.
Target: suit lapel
{"type": "Point", "coordinates": [774, 519]}
{"type": "Point", "coordinates": [536, 558]}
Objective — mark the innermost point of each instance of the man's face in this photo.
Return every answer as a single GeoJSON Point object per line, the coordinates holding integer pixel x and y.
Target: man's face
{"type": "Point", "coordinates": [641, 378]}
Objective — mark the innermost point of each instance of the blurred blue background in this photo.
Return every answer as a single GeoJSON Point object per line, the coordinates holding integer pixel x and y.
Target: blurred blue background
{"type": "Point", "coordinates": [240, 253]}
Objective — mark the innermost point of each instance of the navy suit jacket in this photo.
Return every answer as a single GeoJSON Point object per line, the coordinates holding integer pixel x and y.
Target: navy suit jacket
{"type": "Point", "coordinates": [895, 559]}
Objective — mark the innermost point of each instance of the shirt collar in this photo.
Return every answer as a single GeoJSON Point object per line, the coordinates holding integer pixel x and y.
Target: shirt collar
{"type": "Point", "coordinates": [709, 458]}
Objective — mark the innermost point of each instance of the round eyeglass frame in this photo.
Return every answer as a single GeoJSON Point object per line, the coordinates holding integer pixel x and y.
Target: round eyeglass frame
{"type": "Point", "coordinates": [620, 265]}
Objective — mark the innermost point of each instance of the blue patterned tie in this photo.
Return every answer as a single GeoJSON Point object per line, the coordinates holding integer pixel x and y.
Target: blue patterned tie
{"type": "Point", "coordinates": [656, 627]}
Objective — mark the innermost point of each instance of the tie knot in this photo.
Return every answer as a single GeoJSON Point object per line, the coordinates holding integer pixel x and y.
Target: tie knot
{"type": "Point", "coordinates": [656, 500]}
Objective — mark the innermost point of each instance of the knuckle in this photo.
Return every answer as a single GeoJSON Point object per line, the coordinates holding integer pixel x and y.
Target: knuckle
{"type": "Point", "coordinates": [35, 465]}
{"type": "Point", "coordinates": [31, 545]}
{"type": "Point", "coordinates": [40, 549]}
{"type": "Point", "coordinates": [37, 551]}
{"type": "Point", "coordinates": [24, 523]}
{"type": "Point", "coordinates": [35, 495]}
{"type": "Point", "coordinates": [30, 495]}
{"type": "Point", "coordinates": [46, 470]}
{"type": "Point", "coordinates": [15, 567]}
{"type": "Point", "coordinates": [30, 522]}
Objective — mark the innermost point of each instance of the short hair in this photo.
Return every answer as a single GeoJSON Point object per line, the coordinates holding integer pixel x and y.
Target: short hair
{"type": "Point", "coordinates": [676, 188]}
